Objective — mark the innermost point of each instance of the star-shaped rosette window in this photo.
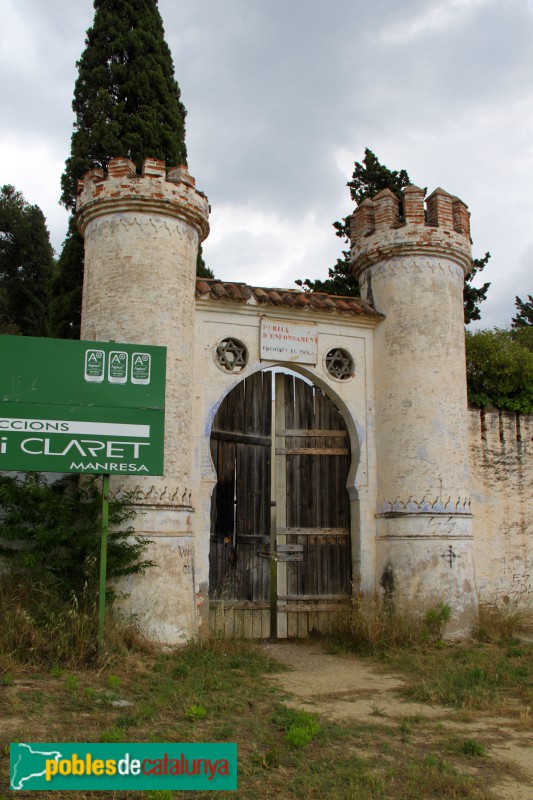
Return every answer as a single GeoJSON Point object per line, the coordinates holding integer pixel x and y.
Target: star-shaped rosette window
{"type": "Point", "coordinates": [339, 364]}
{"type": "Point", "coordinates": [231, 355]}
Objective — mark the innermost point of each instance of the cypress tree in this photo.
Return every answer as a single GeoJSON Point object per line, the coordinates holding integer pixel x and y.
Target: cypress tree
{"type": "Point", "coordinates": [127, 103]}
{"type": "Point", "coordinates": [126, 100]}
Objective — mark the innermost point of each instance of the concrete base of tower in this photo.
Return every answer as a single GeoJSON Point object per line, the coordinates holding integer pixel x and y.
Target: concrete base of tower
{"type": "Point", "coordinates": [424, 560]}
{"type": "Point", "coordinates": [164, 600]}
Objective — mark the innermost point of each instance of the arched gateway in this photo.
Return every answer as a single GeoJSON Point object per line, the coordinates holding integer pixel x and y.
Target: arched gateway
{"type": "Point", "coordinates": [280, 554]}
{"type": "Point", "coordinates": [392, 361]}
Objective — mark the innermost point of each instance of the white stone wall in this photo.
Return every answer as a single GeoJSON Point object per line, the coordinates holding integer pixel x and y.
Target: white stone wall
{"type": "Point", "coordinates": [501, 462]}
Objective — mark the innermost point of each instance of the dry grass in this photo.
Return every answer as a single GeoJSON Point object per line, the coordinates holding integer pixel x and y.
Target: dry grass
{"type": "Point", "coordinates": [39, 629]}
{"type": "Point", "coordinates": [372, 623]}
{"type": "Point", "coordinates": [503, 620]}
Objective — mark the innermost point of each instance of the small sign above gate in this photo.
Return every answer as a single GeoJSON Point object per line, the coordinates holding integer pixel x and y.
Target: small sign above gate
{"type": "Point", "coordinates": [289, 341]}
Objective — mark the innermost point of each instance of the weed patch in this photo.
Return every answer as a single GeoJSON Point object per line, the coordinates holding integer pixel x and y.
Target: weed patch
{"type": "Point", "coordinates": [373, 623]}
{"type": "Point", "coordinates": [301, 728]}
{"type": "Point", "coordinates": [499, 622]}
{"type": "Point", "coordinates": [283, 752]}
{"type": "Point", "coordinates": [472, 748]}
{"type": "Point", "coordinates": [478, 677]}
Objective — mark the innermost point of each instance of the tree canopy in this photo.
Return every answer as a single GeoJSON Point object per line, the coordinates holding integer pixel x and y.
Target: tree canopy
{"type": "Point", "coordinates": [369, 178]}
{"type": "Point", "coordinates": [27, 266]}
{"type": "Point", "coordinates": [524, 315]}
{"type": "Point", "coordinates": [499, 369]}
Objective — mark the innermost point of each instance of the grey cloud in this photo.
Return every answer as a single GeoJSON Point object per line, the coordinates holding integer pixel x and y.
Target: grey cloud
{"type": "Point", "coordinates": [276, 89]}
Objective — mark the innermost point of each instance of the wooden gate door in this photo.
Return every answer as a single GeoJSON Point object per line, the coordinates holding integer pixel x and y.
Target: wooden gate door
{"type": "Point", "coordinates": [294, 580]}
{"type": "Point", "coordinates": [241, 444]}
{"type": "Point", "coordinates": [312, 509]}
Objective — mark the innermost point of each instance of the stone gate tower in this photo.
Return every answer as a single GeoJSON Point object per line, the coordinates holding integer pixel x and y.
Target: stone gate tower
{"type": "Point", "coordinates": [141, 241]}
{"type": "Point", "coordinates": [412, 270]}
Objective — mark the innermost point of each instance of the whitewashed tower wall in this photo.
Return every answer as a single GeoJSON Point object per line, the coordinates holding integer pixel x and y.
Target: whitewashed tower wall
{"type": "Point", "coordinates": [412, 270]}
{"type": "Point", "coordinates": [141, 241]}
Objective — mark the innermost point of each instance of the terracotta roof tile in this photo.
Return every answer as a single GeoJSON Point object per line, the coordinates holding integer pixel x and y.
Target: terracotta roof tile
{"type": "Point", "coordinates": [214, 289]}
{"type": "Point", "coordinates": [274, 297]}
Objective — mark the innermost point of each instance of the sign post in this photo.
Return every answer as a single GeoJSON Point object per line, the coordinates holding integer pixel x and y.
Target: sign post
{"type": "Point", "coordinates": [82, 407]}
{"type": "Point", "coordinates": [103, 561]}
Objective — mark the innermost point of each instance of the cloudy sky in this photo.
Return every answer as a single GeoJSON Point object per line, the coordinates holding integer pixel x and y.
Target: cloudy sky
{"type": "Point", "coordinates": [283, 96]}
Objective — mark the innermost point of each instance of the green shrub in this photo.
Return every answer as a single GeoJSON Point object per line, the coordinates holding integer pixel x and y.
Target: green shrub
{"type": "Point", "coordinates": [436, 620]}
{"type": "Point", "coordinates": [50, 533]}
{"type": "Point", "coordinates": [499, 369]}
{"type": "Point", "coordinates": [472, 748]}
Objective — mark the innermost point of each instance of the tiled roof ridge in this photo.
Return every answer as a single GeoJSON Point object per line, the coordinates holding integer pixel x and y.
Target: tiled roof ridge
{"type": "Point", "coordinates": [241, 292]}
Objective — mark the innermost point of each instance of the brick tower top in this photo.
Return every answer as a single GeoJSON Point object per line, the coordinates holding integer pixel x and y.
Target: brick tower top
{"type": "Point", "coordinates": [169, 193]}
{"type": "Point", "coordinates": [377, 233]}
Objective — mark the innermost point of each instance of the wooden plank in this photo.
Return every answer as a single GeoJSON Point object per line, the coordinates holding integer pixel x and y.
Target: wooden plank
{"type": "Point", "coordinates": [238, 625]}
{"type": "Point", "coordinates": [302, 597]}
{"type": "Point", "coordinates": [229, 622]}
{"type": "Point", "coordinates": [313, 531]}
{"type": "Point", "coordinates": [312, 563]}
{"type": "Point", "coordinates": [266, 497]}
{"type": "Point", "coordinates": [314, 608]}
{"type": "Point", "coordinates": [312, 451]}
{"type": "Point", "coordinates": [247, 624]}
{"type": "Point", "coordinates": [265, 624]}
{"type": "Point", "coordinates": [292, 625]}
{"type": "Point", "coordinates": [247, 571]}
{"type": "Point", "coordinates": [266, 415]}
{"type": "Point", "coordinates": [242, 438]}
{"type": "Point", "coordinates": [283, 386]}
{"type": "Point", "coordinates": [289, 421]}
{"type": "Point", "coordinates": [323, 623]}
{"type": "Point", "coordinates": [312, 432]}
{"type": "Point", "coordinates": [257, 624]}
{"type": "Point", "coordinates": [324, 466]}
{"type": "Point", "coordinates": [289, 548]}
{"type": "Point", "coordinates": [312, 621]}
{"type": "Point", "coordinates": [303, 628]}
{"type": "Point", "coordinates": [246, 605]}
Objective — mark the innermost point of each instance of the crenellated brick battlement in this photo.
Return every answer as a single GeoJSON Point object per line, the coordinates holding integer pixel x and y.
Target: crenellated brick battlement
{"type": "Point", "coordinates": [155, 191]}
{"type": "Point", "coordinates": [440, 225]}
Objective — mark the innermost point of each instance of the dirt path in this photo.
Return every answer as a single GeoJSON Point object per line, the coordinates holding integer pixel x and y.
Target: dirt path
{"type": "Point", "coordinates": [344, 687]}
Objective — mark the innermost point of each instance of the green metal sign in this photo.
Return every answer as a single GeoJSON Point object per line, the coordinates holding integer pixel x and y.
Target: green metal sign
{"type": "Point", "coordinates": [92, 407]}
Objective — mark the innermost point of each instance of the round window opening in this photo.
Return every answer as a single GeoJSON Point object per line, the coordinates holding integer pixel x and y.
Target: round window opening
{"type": "Point", "coordinates": [231, 355]}
{"type": "Point", "coordinates": [339, 364]}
